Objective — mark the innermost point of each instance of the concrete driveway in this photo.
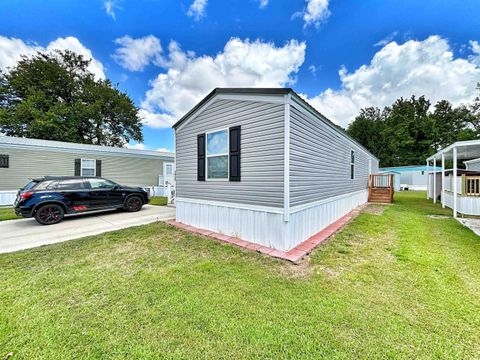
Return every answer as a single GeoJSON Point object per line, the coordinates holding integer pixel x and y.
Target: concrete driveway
{"type": "Point", "coordinates": [27, 233]}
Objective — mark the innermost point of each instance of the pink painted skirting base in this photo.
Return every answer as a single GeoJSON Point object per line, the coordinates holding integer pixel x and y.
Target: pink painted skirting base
{"type": "Point", "coordinates": [293, 255]}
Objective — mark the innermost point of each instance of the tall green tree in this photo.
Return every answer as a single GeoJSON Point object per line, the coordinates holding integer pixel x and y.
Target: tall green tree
{"type": "Point", "coordinates": [54, 96]}
{"type": "Point", "coordinates": [408, 131]}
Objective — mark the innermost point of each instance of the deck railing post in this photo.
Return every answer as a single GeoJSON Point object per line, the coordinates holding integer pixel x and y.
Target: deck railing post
{"type": "Point", "coordinates": [443, 181]}
{"type": "Point", "coordinates": [428, 180]}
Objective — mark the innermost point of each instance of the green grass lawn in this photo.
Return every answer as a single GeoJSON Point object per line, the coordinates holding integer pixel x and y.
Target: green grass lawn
{"type": "Point", "coordinates": [158, 200]}
{"type": "Point", "coordinates": [395, 285]}
{"type": "Point", "coordinates": [7, 213]}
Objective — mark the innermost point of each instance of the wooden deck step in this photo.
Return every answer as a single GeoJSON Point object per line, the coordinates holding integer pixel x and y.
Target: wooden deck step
{"type": "Point", "coordinates": [381, 188]}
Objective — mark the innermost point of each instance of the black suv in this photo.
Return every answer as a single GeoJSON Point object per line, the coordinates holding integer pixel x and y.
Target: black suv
{"type": "Point", "coordinates": [48, 199]}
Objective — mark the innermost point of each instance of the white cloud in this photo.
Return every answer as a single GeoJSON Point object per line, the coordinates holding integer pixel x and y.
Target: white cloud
{"type": "Point", "coordinates": [418, 68]}
{"type": "Point", "coordinates": [11, 50]}
{"type": "Point", "coordinates": [314, 13]}
{"type": "Point", "coordinates": [475, 48]}
{"type": "Point", "coordinates": [137, 146]}
{"type": "Point", "coordinates": [164, 150]}
{"type": "Point", "coordinates": [313, 70]}
{"type": "Point", "coordinates": [197, 9]}
{"type": "Point", "coordinates": [110, 6]}
{"type": "Point", "coordinates": [242, 63]}
{"type": "Point", "coordinates": [136, 54]}
{"type": "Point", "coordinates": [263, 3]}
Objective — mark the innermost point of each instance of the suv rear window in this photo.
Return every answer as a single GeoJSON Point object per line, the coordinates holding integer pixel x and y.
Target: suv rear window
{"type": "Point", "coordinates": [30, 185]}
{"type": "Point", "coordinates": [46, 185]}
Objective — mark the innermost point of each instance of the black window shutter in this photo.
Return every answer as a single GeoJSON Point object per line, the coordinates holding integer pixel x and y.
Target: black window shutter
{"type": "Point", "coordinates": [4, 161]}
{"type": "Point", "coordinates": [98, 170]}
{"type": "Point", "coordinates": [201, 157]}
{"type": "Point", "coordinates": [234, 153]}
{"type": "Point", "coordinates": [77, 167]}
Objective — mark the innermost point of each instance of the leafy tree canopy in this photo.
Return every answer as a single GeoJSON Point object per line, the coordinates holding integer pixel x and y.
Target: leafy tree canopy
{"type": "Point", "coordinates": [410, 130]}
{"type": "Point", "coordinates": [54, 97]}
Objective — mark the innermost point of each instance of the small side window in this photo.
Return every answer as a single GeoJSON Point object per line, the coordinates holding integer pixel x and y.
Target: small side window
{"type": "Point", "coordinates": [100, 184]}
{"type": "Point", "coordinates": [352, 165]}
{"type": "Point", "coordinates": [73, 184]}
{"type": "Point", "coordinates": [4, 161]}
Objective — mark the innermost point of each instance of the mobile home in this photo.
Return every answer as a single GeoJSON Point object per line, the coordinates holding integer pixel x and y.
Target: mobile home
{"type": "Point", "coordinates": [266, 167]}
{"type": "Point", "coordinates": [411, 177]}
{"type": "Point", "coordinates": [458, 189]}
{"type": "Point", "coordinates": [22, 159]}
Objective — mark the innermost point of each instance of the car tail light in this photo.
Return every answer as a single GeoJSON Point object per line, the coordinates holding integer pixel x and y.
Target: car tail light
{"type": "Point", "coordinates": [26, 195]}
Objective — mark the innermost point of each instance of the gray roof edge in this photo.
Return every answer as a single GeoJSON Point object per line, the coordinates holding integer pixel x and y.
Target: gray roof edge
{"type": "Point", "coordinates": [271, 91]}
{"type": "Point", "coordinates": [258, 91]}
{"type": "Point", "coordinates": [64, 146]}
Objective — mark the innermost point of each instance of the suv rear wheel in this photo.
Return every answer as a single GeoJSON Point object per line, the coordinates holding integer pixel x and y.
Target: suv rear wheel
{"type": "Point", "coordinates": [49, 214]}
{"type": "Point", "coordinates": [133, 203]}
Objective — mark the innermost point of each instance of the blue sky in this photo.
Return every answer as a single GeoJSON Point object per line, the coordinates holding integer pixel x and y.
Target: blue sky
{"type": "Point", "coordinates": [386, 49]}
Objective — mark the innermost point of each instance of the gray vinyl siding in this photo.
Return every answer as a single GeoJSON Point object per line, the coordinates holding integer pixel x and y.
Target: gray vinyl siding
{"type": "Point", "coordinates": [26, 164]}
{"type": "Point", "coordinates": [320, 160]}
{"type": "Point", "coordinates": [262, 153]}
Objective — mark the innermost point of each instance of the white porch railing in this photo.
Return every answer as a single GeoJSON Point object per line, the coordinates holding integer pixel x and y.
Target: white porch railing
{"type": "Point", "coordinates": [7, 197]}
{"type": "Point", "coordinates": [167, 191]}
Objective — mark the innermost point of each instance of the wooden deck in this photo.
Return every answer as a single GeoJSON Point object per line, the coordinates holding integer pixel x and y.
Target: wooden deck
{"type": "Point", "coordinates": [380, 189]}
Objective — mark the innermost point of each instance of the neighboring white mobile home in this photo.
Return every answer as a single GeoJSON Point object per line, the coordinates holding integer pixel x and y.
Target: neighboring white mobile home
{"type": "Point", "coordinates": [411, 177]}
{"type": "Point", "coordinates": [265, 166]}
{"type": "Point", "coordinates": [458, 189]}
{"type": "Point", "coordinates": [22, 159]}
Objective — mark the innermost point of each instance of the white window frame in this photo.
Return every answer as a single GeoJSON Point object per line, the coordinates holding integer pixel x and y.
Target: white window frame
{"type": "Point", "coordinates": [223, 154]}
{"type": "Point", "coordinates": [94, 166]}
{"type": "Point", "coordinates": [352, 152]}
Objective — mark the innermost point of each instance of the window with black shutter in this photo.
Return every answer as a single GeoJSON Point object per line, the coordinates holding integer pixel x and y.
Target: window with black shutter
{"type": "Point", "coordinates": [201, 157]}
{"type": "Point", "coordinates": [234, 153]}
{"type": "Point", "coordinates": [4, 161]}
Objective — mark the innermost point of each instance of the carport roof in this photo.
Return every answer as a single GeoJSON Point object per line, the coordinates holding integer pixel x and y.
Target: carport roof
{"type": "Point", "coordinates": [465, 150]}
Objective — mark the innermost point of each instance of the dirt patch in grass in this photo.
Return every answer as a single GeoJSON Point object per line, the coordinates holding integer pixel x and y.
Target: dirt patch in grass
{"type": "Point", "coordinates": [438, 216]}
{"type": "Point", "coordinates": [374, 209]}
{"type": "Point", "coordinates": [301, 270]}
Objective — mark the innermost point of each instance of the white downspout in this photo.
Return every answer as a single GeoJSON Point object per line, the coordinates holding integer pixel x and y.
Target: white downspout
{"type": "Point", "coordinates": [443, 180]}
{"type": "Point", "coordinates": [434, 180]}
{"type": "Point", "coordinates": [286, 159]}
{"type": "Point", "coordinates": [454, 182]}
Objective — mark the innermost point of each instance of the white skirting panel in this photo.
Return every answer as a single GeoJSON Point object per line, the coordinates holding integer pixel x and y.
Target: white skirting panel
{"type": "Point", "coordinates": [259, 226]}
{"type": "Point", "coordinates": [308, 221]}
{"type": "Point", "coordinates": [467, 205]}
{"type": "Point", "coordinates": [265, 226]}
{"type": "Point", "coordinates": [7, 197]}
